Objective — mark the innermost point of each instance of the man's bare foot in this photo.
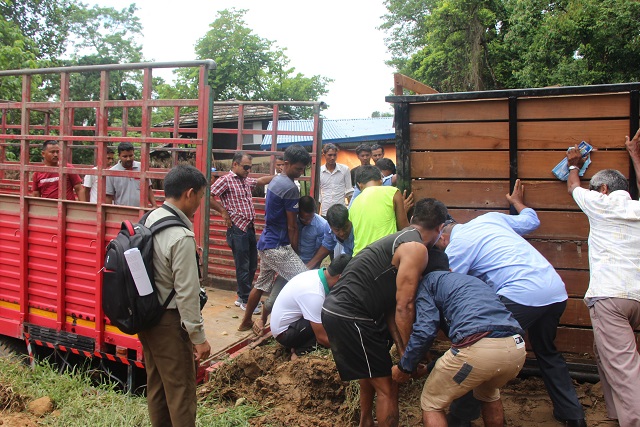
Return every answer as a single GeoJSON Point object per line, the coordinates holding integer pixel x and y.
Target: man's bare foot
{"type": "Point", "coordinates": [294, 356]}
{"type": "Point", "coordinates": [245, 327]}
{"type": "Point", "coordinates": [258, 327]}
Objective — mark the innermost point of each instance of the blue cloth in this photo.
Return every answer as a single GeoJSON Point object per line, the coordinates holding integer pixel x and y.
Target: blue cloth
{"type": "Point", "coordinates": [310, 237]}
{"type": "Point", "coordinates": [330, 240]}
{"type": "Point", "coordinates": [491, 248]}
{"type": "Point", "coordinates": [467, 305]}
{"type": "Point", "coordinates": [386, 181]}
{"type": "Point", "coordinates": [282, 197]}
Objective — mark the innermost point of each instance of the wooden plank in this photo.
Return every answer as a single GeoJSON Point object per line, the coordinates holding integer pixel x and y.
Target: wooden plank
{"type": "Point", "coordinates": [469, 164]}
{"type": "Point", "coordinates": [576, 282]}
{"type": "Point", "coordinates": [460, 136]}
{"type": "Point", "coordinates": [568, 255]}
{"type": "Point", "coordinates": [401, 82]}
{"type": "Point", "coordinates": [538, 164]}
{"type": "Point", "coordinates": [459, 111]}
{"type": "Point", "coordinates": [575, 340]}
{"type": "Point", "coordinates": [574, 107]}
{"type": "Point", "coordinates": [559, 135]}
{"type": "Point", "coordinates": [576, 314]}
{"type": "Point", "coordinates": [549, 195]}
{"type": "Point", "coordinates": [561, 225]}
{"type": "Point", "coordinates": [463, 194]}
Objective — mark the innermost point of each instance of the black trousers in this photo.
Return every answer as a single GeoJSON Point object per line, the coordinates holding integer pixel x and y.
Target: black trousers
{"type": "Point", "coordinates": [299, 336]}
{"type": "Point", "coordinates": [541, 324]}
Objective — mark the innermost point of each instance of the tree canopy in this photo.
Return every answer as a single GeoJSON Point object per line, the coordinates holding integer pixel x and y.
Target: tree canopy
{"type": "Point", "coordinates": [457, 45]}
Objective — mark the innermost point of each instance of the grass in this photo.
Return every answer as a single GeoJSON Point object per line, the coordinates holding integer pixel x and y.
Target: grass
{"type": "Point", "coordinates": [78, 401]}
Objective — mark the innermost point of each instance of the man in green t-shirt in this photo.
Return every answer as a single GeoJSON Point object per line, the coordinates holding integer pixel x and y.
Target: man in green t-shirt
{"type": "Point", "coordinates": [377, 212]}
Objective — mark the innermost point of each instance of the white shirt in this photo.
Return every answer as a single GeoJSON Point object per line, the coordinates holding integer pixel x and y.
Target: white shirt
{"type": "Point", "coordinates": [91, 181]}
{"type": "Point", "coordinates": [335, 186]}
{"type": "Point", "coordinates": [614, 243]}
{"type": "Point", "coordinates": [302, 296]}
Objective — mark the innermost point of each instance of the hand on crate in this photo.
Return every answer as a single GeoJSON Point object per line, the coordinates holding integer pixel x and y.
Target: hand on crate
{"type": "Point", "coordinates": [574, 158]}
{"type": "Point", "coordinates": [633, 145]}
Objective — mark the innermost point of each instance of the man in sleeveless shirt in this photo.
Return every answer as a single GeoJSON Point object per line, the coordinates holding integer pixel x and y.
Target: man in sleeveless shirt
{"type": "Point", "coordinates": [373, 302]}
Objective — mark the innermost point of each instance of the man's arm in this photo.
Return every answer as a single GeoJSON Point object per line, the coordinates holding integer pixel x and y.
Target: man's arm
{"type": "Point", "coordinates": [320, 333]}
{"type": "Point", "coordinates": [401, 214]}
{"type": "Point", "coordinates": [292, 229]}
{"type": "Point", "coordinates": [217, 206]}
{"type": "Point", "coordinates": [633, 147]}
{"type": "Point", "coordinates": [320, 254]}
{"type": "Point", "coordinates": [411, 260]}
{"type": "Point", "coordinates": [390, 317]}
{"type": "Point", "coordinates": [525, 222]}
{"type": "Point", "coordinates": [264, 180]}
{"type": "Point", "coordinates": [82, 195]}
{"type": "Point", "coordinates": [152, 198]}
{"type": "Point", "coordinates": [408, 201]}
{"type": "Point", "coordinates": [574, 158]}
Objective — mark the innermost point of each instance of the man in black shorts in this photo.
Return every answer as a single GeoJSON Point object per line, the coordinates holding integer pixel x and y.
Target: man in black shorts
{"type": "Point", "coordinates": [373, 302]}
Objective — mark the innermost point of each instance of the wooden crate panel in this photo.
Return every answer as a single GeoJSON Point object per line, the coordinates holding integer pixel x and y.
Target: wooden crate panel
{"type": "Point", "coordinates": [459, 136]}
{"type": "Point", "coordinates": [569, 255]}
{"type": "Point", "coordinates": [574, 107]}
{"type": "Point", "coordinates": [538, 164]}
{"type": "Point", "coordinates": [467, 194]}
{"type": "Point", "coordinates": [562, 226]}
{"type": "Point", "coordinates": [559, 135]}
{"type": "Point", "coordinates": [576, 314]}
{"type": "Point", "coordinates": [469, 165]}
{"type": "Point", "coordinates": [576, 282]}
{"type": "Point", "coordinates": [549, 195]}
{"type": "Point", "coordinates": [575, 340]}
{"type": "Point", "coordinates": [459, 111]}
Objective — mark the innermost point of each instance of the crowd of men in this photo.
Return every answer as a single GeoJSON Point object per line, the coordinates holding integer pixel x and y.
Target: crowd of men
{"type": "Point", "coordinates": [394, 278]}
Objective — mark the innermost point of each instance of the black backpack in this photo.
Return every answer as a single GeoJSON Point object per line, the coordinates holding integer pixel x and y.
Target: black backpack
{"type": "Point", "coordinates": [121, 302]}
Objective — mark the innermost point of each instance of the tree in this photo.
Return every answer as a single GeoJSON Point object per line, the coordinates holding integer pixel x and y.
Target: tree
{"type": "Point", "coordinates": [16, 51]}
{"type": "Point", "coordinates": [249, 67]}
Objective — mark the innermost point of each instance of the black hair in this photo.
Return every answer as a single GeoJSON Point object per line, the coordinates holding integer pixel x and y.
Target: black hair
{"type": "Point", "coordinates": [377, 147]}
{"type": "Point", "coordinates": [297, 154]}
{"type": "Point", "coordinates": [307, 204]}
{"type": "Point", "coordinates": [110, 150]}
{"type": "Point", "coordinates": [338, 216]}
{"type": "Point", "coordinates": [329, 146]}
{"type": "Point", "coordinates": [238, 156]}
{"type": "Point", "coordinates": [338, 264]}
{"type": "Point", "coordinates": [181, 178]}
{"type": "Point", "coordinates": [429, 213]}
{"type": "Point", "coordinates": [363, 147]}
{"type": "Point", "coordinates": [385, 164]}
{"type": "Point", "coordinates": [368, 173]}
{"type": "Point", "coordinates": [280, 158]}
{"type": "Point", "coordinates": [48, 143]}
{"type": "Point", "coordinates": [438, 261]}
{"type": "Point", "coordinates": [125, 146]}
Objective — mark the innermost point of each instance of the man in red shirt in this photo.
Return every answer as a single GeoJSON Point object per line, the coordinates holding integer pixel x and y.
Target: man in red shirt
{"type": "Point", "coordinates": [45, 184]}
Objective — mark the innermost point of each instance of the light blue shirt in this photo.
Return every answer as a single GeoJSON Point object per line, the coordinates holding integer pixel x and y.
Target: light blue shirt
{"type": "Point", "coordinates": [331, 240]}
{"type": "Point", "coordinates": [491, 248]}
{"type": "Point", "coordinates": [311, 236]}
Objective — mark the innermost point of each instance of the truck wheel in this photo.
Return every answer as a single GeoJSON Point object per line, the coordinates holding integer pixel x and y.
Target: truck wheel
{"type": "Point", "coordinates": [12, 348]}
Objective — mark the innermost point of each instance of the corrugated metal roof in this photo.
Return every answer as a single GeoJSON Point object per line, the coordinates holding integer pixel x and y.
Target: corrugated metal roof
{"type": "Point", "coordinates": [226, 114]}
{"type": "Point", "coordinates": [334, 130]}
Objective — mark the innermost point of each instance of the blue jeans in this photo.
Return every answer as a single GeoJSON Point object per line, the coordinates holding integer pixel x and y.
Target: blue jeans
{"type": "Point", "coordinates": [245, 257]}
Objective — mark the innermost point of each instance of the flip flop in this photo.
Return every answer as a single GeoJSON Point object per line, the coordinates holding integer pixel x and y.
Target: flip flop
{"type": "Point", "coordinates": [258, 327]}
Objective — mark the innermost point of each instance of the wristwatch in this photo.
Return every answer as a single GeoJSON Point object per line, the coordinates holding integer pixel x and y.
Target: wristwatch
{"type": "Point", "coordinates": [573, 167]}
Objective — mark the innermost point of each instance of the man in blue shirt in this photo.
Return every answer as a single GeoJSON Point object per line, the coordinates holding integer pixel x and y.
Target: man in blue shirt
{"type": "Point", "coordinates": [487, 347]}
{"type": "Point", "coordinates": [492, 249]}
{"type": "Point", "coordinates": [340, 231]}
{"type": "Point", "coordinates": [278, 243]}
{"type": "Point", "coordinates": [311, 229]}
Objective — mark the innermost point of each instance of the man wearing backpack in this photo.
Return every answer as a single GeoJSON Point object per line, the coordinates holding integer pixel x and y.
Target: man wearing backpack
{"type": "Point", "coordinates": [170, 346]}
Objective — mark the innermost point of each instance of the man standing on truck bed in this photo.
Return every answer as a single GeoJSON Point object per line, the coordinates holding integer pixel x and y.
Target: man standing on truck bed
{"type": "Point", "coordinates": [237, 211]}
{"type": "Point", "coordinates": [122, 190]}
{"type": "Point", "coordinates": [46, 184]}
{"type": "Point", "coordinates": [170, 346]}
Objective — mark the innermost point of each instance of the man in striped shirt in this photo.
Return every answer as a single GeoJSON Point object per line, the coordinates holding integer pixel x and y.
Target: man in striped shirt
{"type": "Point", "coordinates": [237, 211]}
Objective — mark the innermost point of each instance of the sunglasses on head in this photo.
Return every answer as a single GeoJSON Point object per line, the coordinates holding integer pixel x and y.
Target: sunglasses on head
{"type": "Point", "coordinates": [247, 167]}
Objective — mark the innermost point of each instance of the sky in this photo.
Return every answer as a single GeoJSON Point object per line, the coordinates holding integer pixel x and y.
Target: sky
{"type": "Point", "coordinates": [338, 39]}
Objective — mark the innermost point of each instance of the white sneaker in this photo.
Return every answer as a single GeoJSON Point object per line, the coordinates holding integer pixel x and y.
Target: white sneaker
{"type": "Point", "coordinates": [237, 303]}
{"type": "Point", "coordinates": [257, 310]}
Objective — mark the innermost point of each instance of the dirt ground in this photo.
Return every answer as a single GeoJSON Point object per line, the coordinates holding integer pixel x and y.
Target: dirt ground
{"type": "Point", "coordinates": [308, 392]}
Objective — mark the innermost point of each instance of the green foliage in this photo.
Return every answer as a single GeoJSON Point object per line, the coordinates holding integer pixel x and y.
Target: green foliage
{"type": "Point", "coordinates": [460, 45]}
{"type": "Point", "coordinates": [16, 51]}
{"type": "Point", "coordinates": [249, 67]}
